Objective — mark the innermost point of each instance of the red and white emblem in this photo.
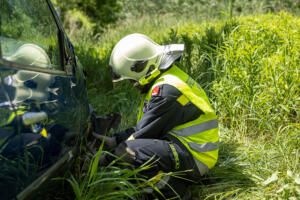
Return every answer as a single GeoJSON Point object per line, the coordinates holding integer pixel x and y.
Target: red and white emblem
{"type": "Point", "coordinates": [155, 91]}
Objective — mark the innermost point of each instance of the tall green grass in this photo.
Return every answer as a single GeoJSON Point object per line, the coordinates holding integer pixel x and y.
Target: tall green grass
{"type": "Point", "coordinates": [249, 66]}
{"type": "Point", "coordinates": [110, 182]}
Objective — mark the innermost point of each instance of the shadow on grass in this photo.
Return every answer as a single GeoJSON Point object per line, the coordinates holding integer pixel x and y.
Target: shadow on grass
{"type": "Point", "coordinates": [227, 179]}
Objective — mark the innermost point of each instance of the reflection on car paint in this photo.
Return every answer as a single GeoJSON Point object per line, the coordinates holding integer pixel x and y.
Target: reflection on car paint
{"type": "Point", "coordinates": [61, 97]}
{"type": "Point", "coordinates": [31, 86]}
{"type": "Point", "coordinates": [41, 112]}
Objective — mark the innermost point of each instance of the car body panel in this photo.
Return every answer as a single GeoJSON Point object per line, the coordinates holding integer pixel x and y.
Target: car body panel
{"type": "Point", "coordinates": [30, 153]}
{"type": "Point", "coordinates": [45, 92]}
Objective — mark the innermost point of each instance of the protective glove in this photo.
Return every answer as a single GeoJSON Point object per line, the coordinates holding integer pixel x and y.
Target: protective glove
{"type": "Point", "coordinates": [124, 135]}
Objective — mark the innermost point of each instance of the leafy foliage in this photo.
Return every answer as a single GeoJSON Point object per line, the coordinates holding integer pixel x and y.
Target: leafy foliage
{"type": "Point", "coordinates": [248, 65]}
{"type": "Point", "coordinates": [205, 7]}
{"type": "Point", "coordinates": [100, 12]}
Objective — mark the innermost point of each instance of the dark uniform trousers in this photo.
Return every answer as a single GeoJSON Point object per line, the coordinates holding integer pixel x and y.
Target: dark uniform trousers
{"type": "Point", "coordinates": [152, 141]}
{"type": "Point", "coordinates": [159, 154]}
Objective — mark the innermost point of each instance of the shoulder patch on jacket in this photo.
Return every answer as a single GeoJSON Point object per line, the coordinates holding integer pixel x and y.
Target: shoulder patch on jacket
{"type": "Point", "coordinates": [155, 91]}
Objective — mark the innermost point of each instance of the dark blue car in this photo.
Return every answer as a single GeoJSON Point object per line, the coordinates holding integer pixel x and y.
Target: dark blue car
{"type": "Point", "coordinates": [43, 103]}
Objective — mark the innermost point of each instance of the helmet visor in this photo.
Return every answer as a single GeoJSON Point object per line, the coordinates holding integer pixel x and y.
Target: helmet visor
{"type": "Point", "coordinates": [139, 66]}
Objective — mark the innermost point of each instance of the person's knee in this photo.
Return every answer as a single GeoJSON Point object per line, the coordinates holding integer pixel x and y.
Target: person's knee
{"type": "Point", "coordinates": [127, 154]}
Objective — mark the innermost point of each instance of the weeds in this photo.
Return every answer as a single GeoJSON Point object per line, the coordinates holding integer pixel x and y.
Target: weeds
{"type": "Point", "coordinates": [249, 66]}
{"type": "Point", "coordinates": [110, 182]}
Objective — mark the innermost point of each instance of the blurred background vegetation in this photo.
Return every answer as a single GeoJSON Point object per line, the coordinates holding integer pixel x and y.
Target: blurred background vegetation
{"type": "Point", "coordinates": [246, 56]}
{"type": "Point", "coordinates": [98, 15]}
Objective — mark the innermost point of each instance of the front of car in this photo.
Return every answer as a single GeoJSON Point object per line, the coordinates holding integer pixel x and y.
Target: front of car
{"type": "Point", "coordinates": [43, 102]}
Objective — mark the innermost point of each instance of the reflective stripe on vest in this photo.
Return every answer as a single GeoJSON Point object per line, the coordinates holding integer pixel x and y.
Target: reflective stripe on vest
{"type": "Point", "coordinates": [202, 168]}
{"type": "Point", "coordinates": [192, 130]}
{"type": "Point", "coordinates": [206, 147]}
{"type": "Point", "coordinates": [199, 136]}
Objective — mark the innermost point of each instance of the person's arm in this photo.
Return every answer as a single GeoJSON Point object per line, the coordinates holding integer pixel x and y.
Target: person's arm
{"type": "Point", "coordinates": [163, 113]}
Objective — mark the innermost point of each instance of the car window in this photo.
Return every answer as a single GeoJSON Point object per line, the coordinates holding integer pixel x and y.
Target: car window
{"type": "Point", "coordinates": [29, 34]}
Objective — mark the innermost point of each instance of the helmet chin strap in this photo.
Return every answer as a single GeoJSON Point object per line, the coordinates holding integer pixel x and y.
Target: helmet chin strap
{"type": "Point", "coordinates": [149, 77]}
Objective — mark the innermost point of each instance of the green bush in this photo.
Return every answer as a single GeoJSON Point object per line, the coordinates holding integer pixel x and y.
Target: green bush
{"type": "Point", "coordinates": [99, 12]}
{"type": "Point", "coordinates": [205, 9]}
{"type": "Point", "coordinates": [249, 66]}
{"type": "Point", "coordinates": [104, 14]}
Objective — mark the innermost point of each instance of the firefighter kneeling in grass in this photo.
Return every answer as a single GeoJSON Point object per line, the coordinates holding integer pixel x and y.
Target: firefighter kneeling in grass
{"type": "Point", "coordinates": [176, 125]}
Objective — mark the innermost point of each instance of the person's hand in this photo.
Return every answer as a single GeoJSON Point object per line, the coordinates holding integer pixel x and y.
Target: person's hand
{"type": "Point", "coordinates": [110, 142]}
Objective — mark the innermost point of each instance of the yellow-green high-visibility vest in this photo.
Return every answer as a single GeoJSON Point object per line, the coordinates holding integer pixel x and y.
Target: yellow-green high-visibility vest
{"type": "Point", "coordinates": [201, 135]}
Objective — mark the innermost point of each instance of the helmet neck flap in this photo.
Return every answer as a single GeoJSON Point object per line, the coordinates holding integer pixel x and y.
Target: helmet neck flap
{"type": "Point", "coordinates": [171, 53]}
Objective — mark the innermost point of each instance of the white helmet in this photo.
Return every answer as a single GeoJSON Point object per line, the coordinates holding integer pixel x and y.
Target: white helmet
{"type": "Point", "coordinates": [30, 54]}
{"type": "Point", "coordinates": [137, 57]}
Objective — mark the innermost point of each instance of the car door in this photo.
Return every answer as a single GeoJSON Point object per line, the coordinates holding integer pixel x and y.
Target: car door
{"type": "Point", "coordinates": [43, 101]}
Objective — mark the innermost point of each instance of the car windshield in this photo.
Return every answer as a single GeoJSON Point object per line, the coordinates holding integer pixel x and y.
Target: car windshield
{"type": "Point", "coordinates": [28, 33]}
